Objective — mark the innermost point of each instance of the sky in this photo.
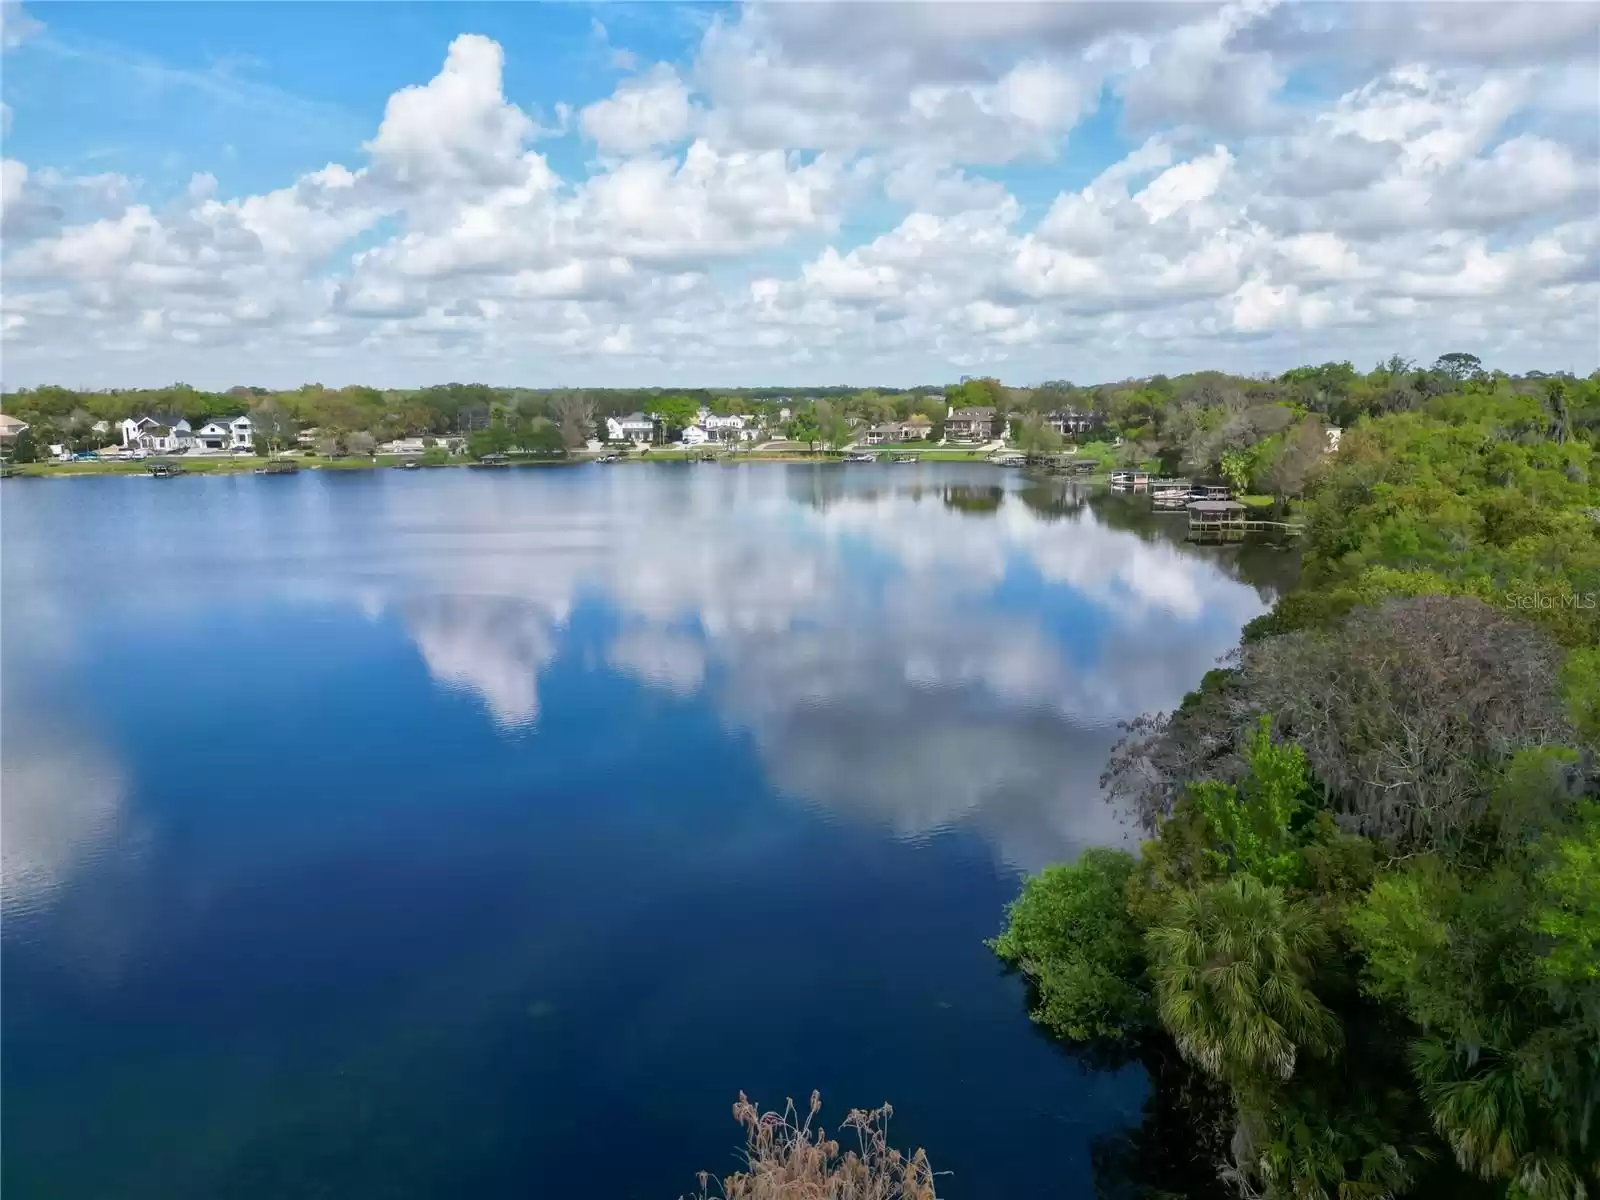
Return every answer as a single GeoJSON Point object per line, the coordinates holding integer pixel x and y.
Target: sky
{"type": "Point", "coordinates": [887, 194]}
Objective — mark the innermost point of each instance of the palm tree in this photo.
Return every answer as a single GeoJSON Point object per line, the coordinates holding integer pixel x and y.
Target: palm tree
{"type": "Point", "coordinates": [1515, 1114]}
{"type": "Point", "coordinates": [1232, 962]}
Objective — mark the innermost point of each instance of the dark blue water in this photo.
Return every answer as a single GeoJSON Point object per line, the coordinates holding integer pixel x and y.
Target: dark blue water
{"type": "Point", "coordinates": [483, 833]}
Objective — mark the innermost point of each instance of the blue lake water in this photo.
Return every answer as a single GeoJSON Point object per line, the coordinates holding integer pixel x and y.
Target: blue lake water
{"type": "Point", "coordinates": [481, 834]}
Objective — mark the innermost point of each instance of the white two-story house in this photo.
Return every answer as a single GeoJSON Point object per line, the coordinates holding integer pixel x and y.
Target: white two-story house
{"type": "Point", "coordinates": [163, 435]}
{"type": "Point", "coordinates": [635, 427]}
{"type": "Point", "coordinates": [734, 428]}
{"type": "Point", "coordinates": [221, 437]}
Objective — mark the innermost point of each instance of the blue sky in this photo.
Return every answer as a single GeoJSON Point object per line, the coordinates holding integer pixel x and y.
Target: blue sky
{"type": "Point", "coordinates": [256, 93]}
{"type": "Point", "coordinates": [551, 193]}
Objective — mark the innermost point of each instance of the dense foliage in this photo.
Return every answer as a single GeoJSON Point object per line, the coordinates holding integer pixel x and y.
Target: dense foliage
{"type": "Point", "coordinates": [1369, 908]}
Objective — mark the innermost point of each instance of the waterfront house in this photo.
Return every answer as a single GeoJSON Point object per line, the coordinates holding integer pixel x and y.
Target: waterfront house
{"type": "Point", "coordinates": [413, 445]}
{"type": "Point", "coordinates": [695, 436]}
{"type": "Point", "coordinates": [890, 431]}
{"type": "Point", "coordinates": [896, 431]}
{"type": "Point", "coordinates": [164, 435]}
{"type": "Point", "coordinates": [635, 427]}
{"type": "Point", "coordinates": [179, 438]}
{"type": "Point", "coordinates": [211, 438]}
{"type": "Point", "coordinates": [733, 428]}
{"type": "Point", "coordinates": [969, 425]}
{"type": "Point", "coordinates": [10, 427]}
{"type": "Point", "coordinates": [219, 437]}
{"type": "Point", "coordinates": [1069, 422]}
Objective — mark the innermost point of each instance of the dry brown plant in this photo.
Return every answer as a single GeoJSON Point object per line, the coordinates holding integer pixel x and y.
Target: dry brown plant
{"type": "Point", "coordinates": [788, 1157]}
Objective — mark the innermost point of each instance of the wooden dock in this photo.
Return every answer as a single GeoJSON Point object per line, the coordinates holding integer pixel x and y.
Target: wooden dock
{"type": "Point", "coordinates": [1220, 520]}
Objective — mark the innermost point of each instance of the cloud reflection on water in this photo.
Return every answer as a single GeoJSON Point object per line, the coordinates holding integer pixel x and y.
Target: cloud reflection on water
{"type": "Point", "coordinates": [60, 804]}
{"type": "Point", "coordinates": [908, 646]}
{"type": "Point", "coordinates": [861, 637]}
{"type": "Point", "coordinates": [495, 647]}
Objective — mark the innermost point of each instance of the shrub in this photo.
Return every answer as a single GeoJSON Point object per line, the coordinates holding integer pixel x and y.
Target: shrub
{"type": "Point", "coordinates": [787, 1159]}
{"type": "Point", "coordinates": [1071, 934]}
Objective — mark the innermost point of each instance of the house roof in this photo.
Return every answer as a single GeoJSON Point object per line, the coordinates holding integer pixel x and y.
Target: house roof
{"type": "Point", "coordinates": [971, 414]}
{"type": "Point", "coordinates": [161, 420]}
{"type": "Point", "coordinates": [10, 424]}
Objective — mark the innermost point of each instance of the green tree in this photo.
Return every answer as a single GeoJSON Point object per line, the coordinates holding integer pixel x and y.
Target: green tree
{"type": "Point", "coordinates": [1032, 435]}
{"type": "Point", "coordinates": [543, 436]}
{"type": "Point", "coordinates": [496, 439]}
{"type": "Point", "coordinates": [1238, 467]}
{"type": "Point", "coordinates": [274, 427]}
{"type": "Point", "coordinates": [1566, 904]}
{"type": "Point", "coordinates": [24, 448]}
{"type": "Point", "coordinates": [1071, 934]}
{"type": "Point", "coordinates": [1250, 827]}
{"type": "Point", "coordinates": [1232, 963]}
{"type": "Point", "coordinates": [804, 428]}
{"type": "Point", "coordinates": [1495, 968]}
{"type": "Point", "coordinates": [1458, 365]}
{"type": "Point", "coordinates": [837, 432]}
{"type": "Point", "coordinates": [676, 413]}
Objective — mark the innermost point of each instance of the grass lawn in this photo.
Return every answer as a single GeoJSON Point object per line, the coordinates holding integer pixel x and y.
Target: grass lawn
{"type": "Point", "coordinates": [1292, 508]}
{"type": "Point", "coordinates": [199, 466]}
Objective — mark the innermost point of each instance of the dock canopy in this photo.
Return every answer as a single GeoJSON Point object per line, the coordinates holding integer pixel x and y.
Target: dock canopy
{"type": "Point", "coordinates": [1215, 507]}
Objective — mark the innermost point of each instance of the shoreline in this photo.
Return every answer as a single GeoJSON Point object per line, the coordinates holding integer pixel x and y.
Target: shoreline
{"type": "Point", "coordinates": [248, 466]}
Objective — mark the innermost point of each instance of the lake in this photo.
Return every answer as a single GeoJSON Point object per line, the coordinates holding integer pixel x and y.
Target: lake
{"type": "Point", "coordinates": [482, 833]}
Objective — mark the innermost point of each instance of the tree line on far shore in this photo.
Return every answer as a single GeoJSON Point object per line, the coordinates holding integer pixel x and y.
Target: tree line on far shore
{"type": "Point", "coordinates": [1260, 433]}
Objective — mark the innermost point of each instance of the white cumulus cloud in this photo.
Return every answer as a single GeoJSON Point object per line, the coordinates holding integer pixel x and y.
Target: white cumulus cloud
{"type": "Point", "coordinates": [822, 192]}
